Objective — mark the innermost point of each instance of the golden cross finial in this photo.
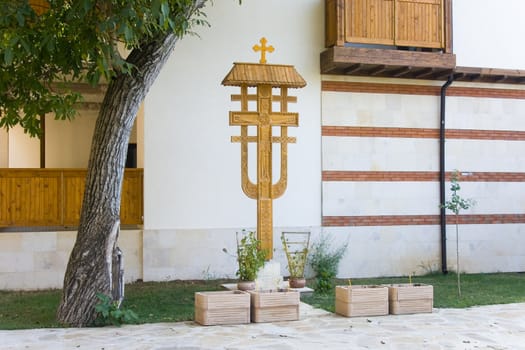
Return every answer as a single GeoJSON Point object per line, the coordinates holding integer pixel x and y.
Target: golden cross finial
{"type": "Point", "coordinates": [263, 48]}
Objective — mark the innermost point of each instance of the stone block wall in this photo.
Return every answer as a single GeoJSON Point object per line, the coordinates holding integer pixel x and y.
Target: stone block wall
{"type": "Point", "coordinates": [380, 150]}
{"type": "Point", "coordinates": [38, 260]}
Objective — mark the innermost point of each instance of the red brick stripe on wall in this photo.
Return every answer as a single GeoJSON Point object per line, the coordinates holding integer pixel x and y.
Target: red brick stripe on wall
{"type": "Point", "coordinates": [505, 135]}
{"type": "Point", "coordinates": [484, 92]}
{"type": "Point", "coordinates": [411, 220]}
{"type": "Point", "coordinates": [381, 220]}
{"type": "Point", "coordinates": [407, 89]}
{"type": "Point", "coordinates": [356, 131]}
{"type": "Point", "coordinates": [333, 175]}
{"type": "Point", "coordinates": [470, 134]}
{"type": "Point", "coordinates": [418, 176]}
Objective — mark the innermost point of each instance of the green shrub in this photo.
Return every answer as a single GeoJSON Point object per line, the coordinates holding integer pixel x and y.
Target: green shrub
{"type": "Point", "coordinates": [109, 312]}
{"type": "Point", "coordinates": [325, 262]}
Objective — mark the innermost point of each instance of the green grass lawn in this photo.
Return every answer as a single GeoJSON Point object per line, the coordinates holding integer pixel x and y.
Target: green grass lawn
{"type": "Point", "coordinates": [476, 289]}
{"type": "Point", "coordinates": [152, 301]}
{"type": "Point", "coordinates": [174, 301]}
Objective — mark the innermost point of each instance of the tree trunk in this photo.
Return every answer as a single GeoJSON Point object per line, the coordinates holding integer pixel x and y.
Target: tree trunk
{"type": "Point", "coordinates": [457, 256]}
{"type": "Point", "coordinates": [89, 270]}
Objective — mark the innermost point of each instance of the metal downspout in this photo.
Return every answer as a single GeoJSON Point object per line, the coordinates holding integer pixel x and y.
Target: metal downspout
{"type": "Point", "coordinates": [443, 217]}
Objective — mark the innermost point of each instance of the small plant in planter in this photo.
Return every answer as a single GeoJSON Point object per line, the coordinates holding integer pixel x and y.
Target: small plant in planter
{"type": "Point", "coordinates": [250, 259]}
{"type": "Point", "coordinates": [361, 300]}
{"type": "Point", "coordinates": [410, 298]}
{"type": "Point", "coordinates": [295, 246]}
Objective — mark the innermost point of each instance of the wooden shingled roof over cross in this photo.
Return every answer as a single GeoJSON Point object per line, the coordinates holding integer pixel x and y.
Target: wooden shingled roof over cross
{"type": "Point", "coordinates": [254, 74]}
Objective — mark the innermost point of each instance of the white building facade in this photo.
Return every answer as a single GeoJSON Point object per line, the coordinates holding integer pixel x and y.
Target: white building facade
{"type": "Point", "coordinates": [364, 169]}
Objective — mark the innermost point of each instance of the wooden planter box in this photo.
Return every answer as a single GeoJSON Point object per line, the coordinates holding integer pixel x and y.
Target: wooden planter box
{"type": "Point", "coordinates": [351, 301]}
{"type": "Point", "coordinates": [224, 307]}
{"type": "Point", "coordinates": [275, 306]}
{"type": "Point", "coordinates": [410, 298]}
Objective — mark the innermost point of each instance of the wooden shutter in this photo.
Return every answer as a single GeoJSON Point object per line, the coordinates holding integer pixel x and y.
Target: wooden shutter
{"type": "Point", "coordinates": [414, 23]}
{"type": "Point", "coordinates": [419, 23]}
{"type": "Point", "coordinates": [369, 21]}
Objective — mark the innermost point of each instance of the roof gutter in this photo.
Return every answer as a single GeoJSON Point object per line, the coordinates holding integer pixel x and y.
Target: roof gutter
{"type": "Point", "coordinates": [443, 217]}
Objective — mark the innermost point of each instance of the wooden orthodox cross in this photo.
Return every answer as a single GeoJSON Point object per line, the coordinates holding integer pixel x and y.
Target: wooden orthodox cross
{"type": "Point", "coordinates": [264, 78]}
{"type": "Point", "coordinates": [263, 48]}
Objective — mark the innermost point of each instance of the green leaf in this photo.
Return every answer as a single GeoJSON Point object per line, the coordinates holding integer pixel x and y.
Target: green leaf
{"type": "Point", "coordinates": [8, 56]}
{"type": "Point", "coordinates": [21, 19]}
{"type": "Point", "coordinates": [25, 45]}
{"type": "Point", "coordinates": [87, 5]}
{"type": "Point", "coordinates": [50, 44]}
{"type": "Point", "coordinates": [165, 9]}
{"type": "Point", "coordinates": [128, 33]}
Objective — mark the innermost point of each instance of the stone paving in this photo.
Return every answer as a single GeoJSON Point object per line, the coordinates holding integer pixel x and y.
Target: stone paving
{"type": "Point", "coordinates": [494, 327]}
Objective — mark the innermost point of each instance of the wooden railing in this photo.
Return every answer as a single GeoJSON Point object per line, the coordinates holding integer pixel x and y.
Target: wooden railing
{"type": "Point", "coordinates": [407, 23]}
{"type": "Point", "coordinates": [53, 197]}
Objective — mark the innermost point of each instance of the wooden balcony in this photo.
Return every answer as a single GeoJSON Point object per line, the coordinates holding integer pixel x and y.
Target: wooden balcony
{"type": "Point", "coordinates": [53, 197]}
{"type": "Point", "coordinates": [398, 39]}
{"type": "Point", "coordinates": [387, 63]}
{"type": "Point", "coordinates": [389, 38]}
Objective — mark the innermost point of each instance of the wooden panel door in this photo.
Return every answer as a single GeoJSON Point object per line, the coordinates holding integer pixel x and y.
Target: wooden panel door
{"type": "Point", "coordinates": [369, 21]}
{"type": "Point", "coordinates": [419, 23]}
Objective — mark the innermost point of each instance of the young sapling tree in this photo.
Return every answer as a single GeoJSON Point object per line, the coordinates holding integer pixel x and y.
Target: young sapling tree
{"type": "Point", "coordinates": [455, 205]}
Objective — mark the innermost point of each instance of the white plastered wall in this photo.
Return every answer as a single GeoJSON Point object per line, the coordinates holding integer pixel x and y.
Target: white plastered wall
{"type": "Point", "coordinates": [68, 142]}
{"type": "Point", "coordinates": [193, 194]}
{"type": "Point", "coordinates": [24, 151]}
{"type": "Point", "coordinates": [489, 33]}
{"type": "Point", "coordinates": [4, 148]}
